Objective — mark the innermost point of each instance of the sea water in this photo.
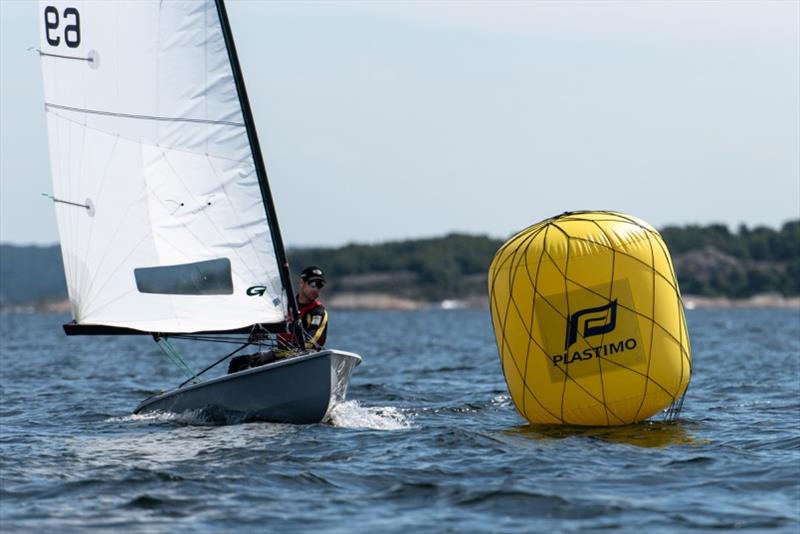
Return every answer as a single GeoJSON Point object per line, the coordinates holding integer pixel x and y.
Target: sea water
{"type": "Point", "coordinates": [427, 442]}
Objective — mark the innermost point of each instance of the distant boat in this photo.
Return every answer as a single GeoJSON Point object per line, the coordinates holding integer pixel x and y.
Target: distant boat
{"type": "Point", "coordinates": [166, 220]}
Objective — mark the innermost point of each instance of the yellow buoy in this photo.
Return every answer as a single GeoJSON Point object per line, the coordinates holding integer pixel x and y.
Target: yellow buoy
{"type": "Point", "coordinates": [589, 321]}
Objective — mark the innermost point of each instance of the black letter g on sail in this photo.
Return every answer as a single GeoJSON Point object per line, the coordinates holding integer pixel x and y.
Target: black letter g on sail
{"type": "Point", "coordinates": [256, 291]}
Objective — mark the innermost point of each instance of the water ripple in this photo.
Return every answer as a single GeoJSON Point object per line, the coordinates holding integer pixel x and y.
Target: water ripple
{"type": "Point", "coordinates": [428, 441]}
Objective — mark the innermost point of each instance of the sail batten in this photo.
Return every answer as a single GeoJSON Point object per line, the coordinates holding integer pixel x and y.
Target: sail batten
{"type": "Point", "coordinates": [150, 133]}
{"type": "Point", "coordinates": [143, 117]}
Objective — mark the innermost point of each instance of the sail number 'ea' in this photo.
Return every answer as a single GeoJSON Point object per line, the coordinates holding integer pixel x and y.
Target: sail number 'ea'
{"type": "Point", "coordinates": [72, 31]}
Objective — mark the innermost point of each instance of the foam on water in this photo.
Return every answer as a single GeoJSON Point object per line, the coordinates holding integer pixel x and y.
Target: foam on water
{"type": "Point", "coordinates": [501, 401]}
{"type": "Point", "coordinates": [191, 417]}
{"type": "Point", "coordinates": [350, 414]}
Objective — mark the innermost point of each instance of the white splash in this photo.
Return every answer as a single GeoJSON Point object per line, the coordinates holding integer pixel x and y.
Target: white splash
{"type": "Point", "coordinates": [192, 417]}
{"type": "Point", "coordinates": [501, 401]}
{"type": "Point", "coordinates": [350, 414]}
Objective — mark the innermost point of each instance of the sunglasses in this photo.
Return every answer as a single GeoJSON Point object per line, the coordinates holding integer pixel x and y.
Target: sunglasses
{"type": "Point", "coordinates": [318, 284]}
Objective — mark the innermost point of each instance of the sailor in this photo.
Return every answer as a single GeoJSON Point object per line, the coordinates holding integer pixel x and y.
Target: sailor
{"type": "Point", "coordinates": [313, 315]}
{"type": "Point", "coordinates": [313, 318]}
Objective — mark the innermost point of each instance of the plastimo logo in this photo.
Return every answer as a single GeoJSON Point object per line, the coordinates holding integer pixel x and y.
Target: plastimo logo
{"type": "Point", "coordinates": [596, 321]}
{"type": "Point", "coordinates": [596, 332]}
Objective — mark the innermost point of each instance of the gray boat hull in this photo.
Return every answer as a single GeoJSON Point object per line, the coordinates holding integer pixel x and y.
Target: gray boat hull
{"type": "Point", "coordinates": [300, 390]}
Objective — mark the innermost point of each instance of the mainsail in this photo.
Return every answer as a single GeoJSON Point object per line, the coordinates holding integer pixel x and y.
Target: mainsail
{"type": "Point", "coordinates": [160, 206]}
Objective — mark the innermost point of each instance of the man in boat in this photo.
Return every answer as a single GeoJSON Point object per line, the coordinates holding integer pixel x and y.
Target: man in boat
{"type": "Point", "coordinates": [313, 317]}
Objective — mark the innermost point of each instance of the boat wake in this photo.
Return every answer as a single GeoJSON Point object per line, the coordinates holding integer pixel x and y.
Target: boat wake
{"type": "Point", "coordinates": [190, 417]}
{"type": "Point", "coordinates": [350, 414]}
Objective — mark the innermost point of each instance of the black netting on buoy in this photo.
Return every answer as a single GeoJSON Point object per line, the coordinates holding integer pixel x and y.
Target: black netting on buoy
{"type": "Point", "coordinates": [531, 271]}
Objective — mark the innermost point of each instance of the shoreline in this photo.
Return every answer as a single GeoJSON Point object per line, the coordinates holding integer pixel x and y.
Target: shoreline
{"type": "Point", "coordinates": [764, 301]}
{"type": "Point", "coordinates": [387, 302]}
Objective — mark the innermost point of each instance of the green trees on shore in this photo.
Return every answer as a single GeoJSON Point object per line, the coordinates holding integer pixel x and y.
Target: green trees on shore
{"type": "Point", "coordinates": [713, 261]}
{"type": "Point", "coordinates": [429, 269]}
{"type": "Point", "coordinates": [757, 244]}
{"type": "Point", "coordinates": [710, 260]}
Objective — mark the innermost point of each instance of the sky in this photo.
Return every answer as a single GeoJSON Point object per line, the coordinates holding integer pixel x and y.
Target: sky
{"type": "Point", "coordinates": [396, 120]}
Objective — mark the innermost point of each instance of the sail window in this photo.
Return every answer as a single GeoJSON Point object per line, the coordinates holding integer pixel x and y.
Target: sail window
{"type": "Point", "coordinates": [211, 277]}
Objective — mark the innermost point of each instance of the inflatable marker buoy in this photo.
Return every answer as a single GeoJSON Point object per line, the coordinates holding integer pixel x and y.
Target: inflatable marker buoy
{"type": "Point", "coordinates": [589, 321]}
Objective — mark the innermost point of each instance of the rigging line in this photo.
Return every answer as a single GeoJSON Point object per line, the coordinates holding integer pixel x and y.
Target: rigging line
{"type": "Point", "coordinates": [142, 117]}
{"type": "Point", "coordinates": [173, 354]}
{"type": "Point", "coordinates": [207, 339]}
{"type": "Point", "coordinates": [214, 364]}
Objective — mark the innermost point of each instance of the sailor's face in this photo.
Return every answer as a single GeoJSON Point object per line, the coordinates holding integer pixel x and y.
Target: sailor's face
{"type": "Point", "coordinates": [310, 290]}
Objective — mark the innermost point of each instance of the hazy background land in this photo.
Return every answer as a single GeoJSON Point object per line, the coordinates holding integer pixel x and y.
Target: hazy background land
{"type": "Point", "coordinates": [714, 265]}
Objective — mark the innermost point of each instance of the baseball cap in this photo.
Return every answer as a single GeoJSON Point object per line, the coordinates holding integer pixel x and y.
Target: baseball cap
{"type": "Point", "coordinates": [312, 273]}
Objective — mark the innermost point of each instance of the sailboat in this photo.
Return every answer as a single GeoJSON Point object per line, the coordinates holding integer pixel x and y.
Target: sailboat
{"type": "Point", "coordinates": [166, 220]}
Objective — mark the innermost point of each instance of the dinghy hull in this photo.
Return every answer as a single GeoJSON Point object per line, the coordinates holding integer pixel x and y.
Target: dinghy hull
{"type": "Point", "coordinates": [300, 390]}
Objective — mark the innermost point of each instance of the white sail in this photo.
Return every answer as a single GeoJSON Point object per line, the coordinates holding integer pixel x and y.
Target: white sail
{"type": "Point", "coordinates": [160, 212]}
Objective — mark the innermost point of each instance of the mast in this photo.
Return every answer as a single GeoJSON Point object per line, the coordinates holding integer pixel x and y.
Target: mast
{"type": "Point", "coordinates": [261, 172]}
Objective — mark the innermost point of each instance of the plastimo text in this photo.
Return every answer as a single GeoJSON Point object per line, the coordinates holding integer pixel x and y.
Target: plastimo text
{"type": "Point", "coordinates": [594, 352]}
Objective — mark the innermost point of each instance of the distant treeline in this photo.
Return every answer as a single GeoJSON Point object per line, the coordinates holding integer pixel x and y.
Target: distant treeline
{"type": "Point", "coordinates": [758, 244]}
{"type": "Point", "coordinates": [713, 261]}
{"type": "Point", "coordinates": [439, 268]}
{"type": "Point", "coordinates": [31, 274]}
{"type": "Point", "coordinates": [710, 260]}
